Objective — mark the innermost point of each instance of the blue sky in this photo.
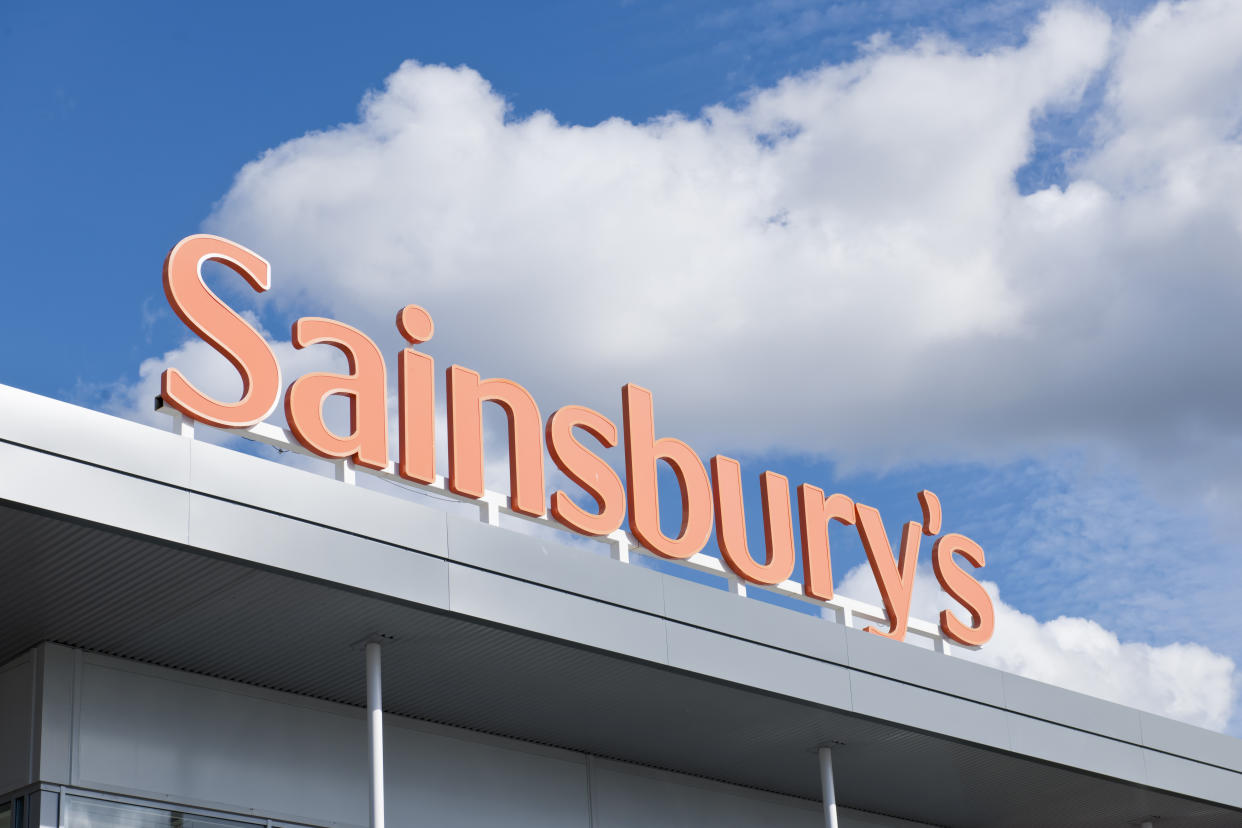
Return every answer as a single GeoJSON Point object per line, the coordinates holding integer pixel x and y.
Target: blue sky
{"type": "Point", "coordinates": [1096, 468]}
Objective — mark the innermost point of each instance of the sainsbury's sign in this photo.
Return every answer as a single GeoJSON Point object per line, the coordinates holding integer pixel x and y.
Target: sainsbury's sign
{"type": "Point", "coordinates": [576, 438]}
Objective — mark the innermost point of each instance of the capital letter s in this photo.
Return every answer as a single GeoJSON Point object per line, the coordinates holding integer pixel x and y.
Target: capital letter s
{"type": "Point", "coordinates": [223, 329]}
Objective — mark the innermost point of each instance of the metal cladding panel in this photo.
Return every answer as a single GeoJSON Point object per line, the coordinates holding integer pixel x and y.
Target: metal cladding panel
{"type": "Point", "coordinates": [147, 731]}
{"type": "Point", "coordinates": [1043, 701]}
{"type": "Point", "coordinates": [1210, 783]}
{"type": "Point", "coordinates": [928, 710]}
{"type": "Point", "coordinates": [742, 662]}
{"type": "Point", "coordinates": [897, 660]}
{"type": "Point", "coordinates": [624, 796]}
{"type": "Point", "coordinates": [350, 560]}
{"type": "Point", "coordinates": [84, 492]}
{"type": "Point", "coordinates": [262, 484]}
{"type": "Point", "coordinates": [498, 599]}
{"type": "Point", "coordinates": [556, 565]}
{"type": "Point", "coordinates": [147, 734]}
{"type": "Point", "coordinates": [152, 732]}
{"type": "Point", "coordinates": [716, 609]}
{"type": "Point", "coordinates": [92, 437]}
{"type": "Point", "coordinates": [17, 716]}
{"type": "Point", "coordinates": [450, 782]}
{"type": "Point", "coordinates": [54, 707]}
{"type": "Point", "coordinates": [1170, 736]}
{"type": "Point", "coordinates": [1044, 740]}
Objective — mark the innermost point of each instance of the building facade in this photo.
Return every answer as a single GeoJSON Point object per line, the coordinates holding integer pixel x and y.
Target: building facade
{"type": "Point", "coordinates": [183, 636]}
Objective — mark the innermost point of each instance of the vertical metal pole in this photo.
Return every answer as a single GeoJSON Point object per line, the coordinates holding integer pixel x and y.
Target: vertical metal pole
{"type": "Point", "coordinates": [829, 791]}
{"type": "Point", "coordinates": [375, 730]}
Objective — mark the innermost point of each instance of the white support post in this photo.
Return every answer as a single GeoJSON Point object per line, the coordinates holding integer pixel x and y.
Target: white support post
{"type": "Point", "coordinates": [182, 425]}
{"type": "Point", "coordinates": [344, 472]}
{"type": "Point", "coordinates": [829, 791]}
{"type": "Point", "coordinates": [619, 547]}
{"type": "Point", "coordinates": [375, 730]}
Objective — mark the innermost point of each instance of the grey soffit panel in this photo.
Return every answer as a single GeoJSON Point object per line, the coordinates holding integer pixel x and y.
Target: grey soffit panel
{"type": "Point", "coordinates": [90, 587]}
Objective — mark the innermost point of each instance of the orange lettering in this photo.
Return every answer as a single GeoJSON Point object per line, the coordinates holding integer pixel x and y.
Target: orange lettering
{"type": "Point", "coordinates": [895, 579]}
{"type": "Point", "coordinates": [364, 386]}
{"type": "Point", "coordinates": [778, 562]}
{"type": "Point", "coordinates": [964, 589]}
{"type": "Point", "coordinates": [586, 469]}
{"type": "Point", "coordinates": [642, 452]}
{"type": "Point", "coordinates": [223, 329]}
{"type": "Point", "coordinates": [816, 512]}
{"type": "Point", "coordinates": [416, 399]}
{"type": "Point", "coordinates": [466, 395]}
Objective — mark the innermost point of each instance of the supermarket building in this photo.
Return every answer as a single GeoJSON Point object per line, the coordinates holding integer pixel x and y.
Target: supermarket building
{"type": "Point", "coordinates": [184, 634]}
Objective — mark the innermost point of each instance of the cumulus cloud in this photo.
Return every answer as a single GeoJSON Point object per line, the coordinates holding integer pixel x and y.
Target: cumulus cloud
{"type": "Point", "coordinates": [1180, 680]}
{"type": "Point", "coordinates": [784, 265]}
{"type": "Point", "coordinates": [840, 265]}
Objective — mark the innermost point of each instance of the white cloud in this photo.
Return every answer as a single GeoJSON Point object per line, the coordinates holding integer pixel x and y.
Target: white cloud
{"type": "Point", "coordinates": [842, 266]}
{"type": "Point", "coordinates": [805, 253]}
{"type": "Point", "coordinates": [1182, 681]}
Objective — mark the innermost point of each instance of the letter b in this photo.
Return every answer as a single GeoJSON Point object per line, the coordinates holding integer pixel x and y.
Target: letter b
{"type": "Point", "coordinates": [642, 453]}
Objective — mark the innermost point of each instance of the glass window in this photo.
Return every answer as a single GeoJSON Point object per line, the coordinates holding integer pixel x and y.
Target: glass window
{"type": "Point", "coordinates": [6, 815]}
{"type": "Point", "coordinates": [81, 812]}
